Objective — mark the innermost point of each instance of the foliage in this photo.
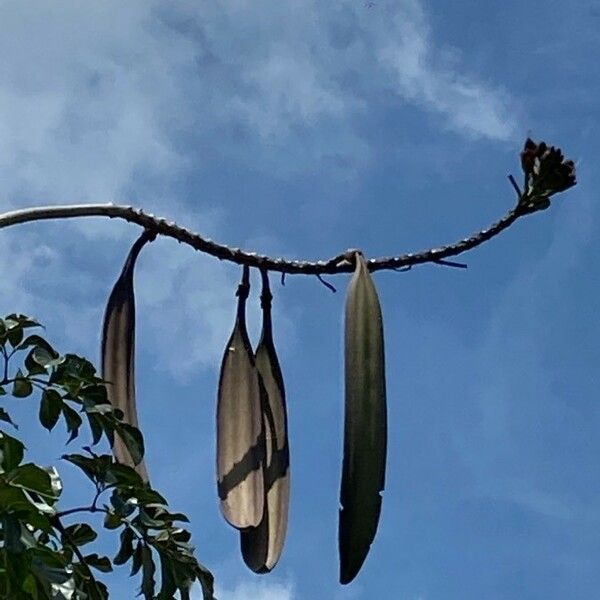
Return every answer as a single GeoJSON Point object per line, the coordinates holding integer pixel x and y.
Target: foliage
{"type": "Point", "coordinates": [43, 557]}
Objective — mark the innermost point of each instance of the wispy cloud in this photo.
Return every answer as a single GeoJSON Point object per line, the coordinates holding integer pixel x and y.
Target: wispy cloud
{"type": "Point", "coordinates": [425, 76]}
{"type": "Point", "coordinates": [255, 591]}
{"type": "Point", "coordinates": [86, 115]}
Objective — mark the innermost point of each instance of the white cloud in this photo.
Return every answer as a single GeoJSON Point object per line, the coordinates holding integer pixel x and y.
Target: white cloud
{"type": "Point", "coordinates": [425, 76]}
{"type": "Point", "coordinates": [258, 591]}
{"type": "Point", "coordinates": [93, 96]}
{"type": "Point", "coordinates": [95, 100]}
{"type": "Point", "coordinates": [288, 90]}
{"type": "Point", "coordinates": [82, 106]}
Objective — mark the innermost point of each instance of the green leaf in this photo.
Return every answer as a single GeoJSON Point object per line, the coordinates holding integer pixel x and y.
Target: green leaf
{"type": "Point", "coordinates": [11, 532]}
{"type": "Point", "coordinates": [126, 549]}
{"type": "Point", "coordinates": [73, 421]}
{"type": "Point", "coordinates": [64, 591]}
{"type": "Point", "coordinates": [11, 452]}
{"type": "Point", "coordinates": [4, 416]}
{"type": "Point", "coordinates": [22, 387]}
{"type": "Point", "coordinates": [168, 586]}
{"type": "Point", "coordinates": [49, 566]}
{"type": "Point", "coordinates": [132, 438]}
{"type": "Point", "coordinates": [148, 570]}
{"type": "Point", "coordinates": [15, 335]}
{"type": "Point", "coordinates": [120, 475]}
{"type": "Point", "coordinates": [96, 426]}
{"type": "Point", "coordinates": [95, 393]}
{"type": "Point", "coordinates": [55, 481]}
{"type": "Point", "coordinates": [123, 502]}
{"type": "Point", "coordinates": [76, 367]}
{"type": "Point", "coordinates": [33, 367]}
{"type": "Point", "coordinates": [206, 580]}
{"type": "Point", "coordinates": [30, 586]}
{"type": "Point", "coordinates": [147, 521]}
{"type": "Point", "coordinates": [50, 408]}
{"type": "Point", "coordinates": [32, 478]}
{"type": "Point", "coordinates": [136, 563]}
{"type": "Point", "coordinates": [85, 463]}
{"type": "Point", "coordinates": [112, 521]}
{"type": "Point", "coordinates": [37, 340]}
{"type": "Point", "coordinates": [101, 563]}
{"type": "Point", "coordinates": [42, 356]}
{"type": "Point", "coordinates": [21, 321]}
{"type": "Point", "coordinates": [80, 534]}
{"type": "Point", "coordinates": [95, 468]}
{"type": "Point", "coordinates": [32, 510]}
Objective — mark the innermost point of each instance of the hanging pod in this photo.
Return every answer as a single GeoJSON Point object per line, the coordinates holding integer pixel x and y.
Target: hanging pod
{"type": "Point", "coordinates": [365, 423]}
{"type": "Point", "coordinates": [262, 546]}
{"type": "Point", "coordinates": [240, 436]}
{"type": "Point", "coordinates": [118, 351]}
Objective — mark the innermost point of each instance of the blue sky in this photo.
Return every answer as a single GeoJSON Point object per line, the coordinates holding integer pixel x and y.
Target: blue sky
{"type": "Point", "coordinates": [301, 129]}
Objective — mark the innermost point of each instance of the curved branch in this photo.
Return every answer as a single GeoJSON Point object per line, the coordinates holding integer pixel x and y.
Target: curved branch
{"type": "Point", "coordinates": [342, 263]}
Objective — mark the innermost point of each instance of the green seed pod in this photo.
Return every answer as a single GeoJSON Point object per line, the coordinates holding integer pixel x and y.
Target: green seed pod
{"type": "Point", "coordinates": [118, 352]}
{"type": "Point", "coordinates": [365, 423]}
{"type": "Point", "coordinates": [240, 436]}
{"type": "Point", "coordinates": [262, 546]}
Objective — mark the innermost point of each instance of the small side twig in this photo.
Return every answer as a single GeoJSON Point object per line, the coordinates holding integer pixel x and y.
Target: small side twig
{"type": "Point", "coordinates": [515, 185]}
{"type": "Point", "coordinates": [450, 263]}
{"type": "Point", "coordinates": [326, 284]}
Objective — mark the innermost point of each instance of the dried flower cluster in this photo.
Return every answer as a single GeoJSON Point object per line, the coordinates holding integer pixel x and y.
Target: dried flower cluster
{"type": "Point", "coordinates": [546, 173]}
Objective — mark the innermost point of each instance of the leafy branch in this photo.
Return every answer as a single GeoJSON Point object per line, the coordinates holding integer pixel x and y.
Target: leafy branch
{"type": "Point", "coordinates": [41, 556]}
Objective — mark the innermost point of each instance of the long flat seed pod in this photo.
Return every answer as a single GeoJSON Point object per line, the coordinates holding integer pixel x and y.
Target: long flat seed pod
{"type": "Point", "coordinates": [262, 546]}
{"type": "Point", "coordinates": [118, 351]}
{"type": "Point", "coordinates": [240, 436]}
{"type": "Point", "coordinates": [365, 423]}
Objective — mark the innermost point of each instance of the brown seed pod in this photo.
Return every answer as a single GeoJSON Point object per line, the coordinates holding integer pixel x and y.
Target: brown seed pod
{"type": "Point", "coordinates": [240, 435]}
{"type": "Point", "coordinates": [365, 423]}
{"type": "Point", "coordinates": [118, 351]}
{"type": "Point", "coordinates": [262, 546]}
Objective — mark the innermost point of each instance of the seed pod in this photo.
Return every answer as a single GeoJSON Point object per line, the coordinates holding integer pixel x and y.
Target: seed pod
{"type": "Point", "coordinates": [240, 436]}
{"type": "Point", "coordinates": [365, 423]}
{"type": "Point", "coordinates": [118, 351]}
{"type": "Point", "coordinates": [262, 546]}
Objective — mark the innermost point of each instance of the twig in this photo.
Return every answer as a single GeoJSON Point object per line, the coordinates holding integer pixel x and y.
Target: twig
{"type": "Point", "coordinates": [58, 524]}
{"type": "Point", "coordinates": [338, 264]}
{"type": "Point", "coordinates": [326, 284]}
{"type": "Point", "coordinates": [80, 509]}
{"type": "Point", "coordinates": [450, 263]}
{"type": "Point", "coordinates": [516, 186]}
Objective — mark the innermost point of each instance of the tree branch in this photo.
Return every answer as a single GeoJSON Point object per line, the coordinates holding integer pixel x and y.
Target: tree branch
{"type": "Point", "coordinates": [342, 263]}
